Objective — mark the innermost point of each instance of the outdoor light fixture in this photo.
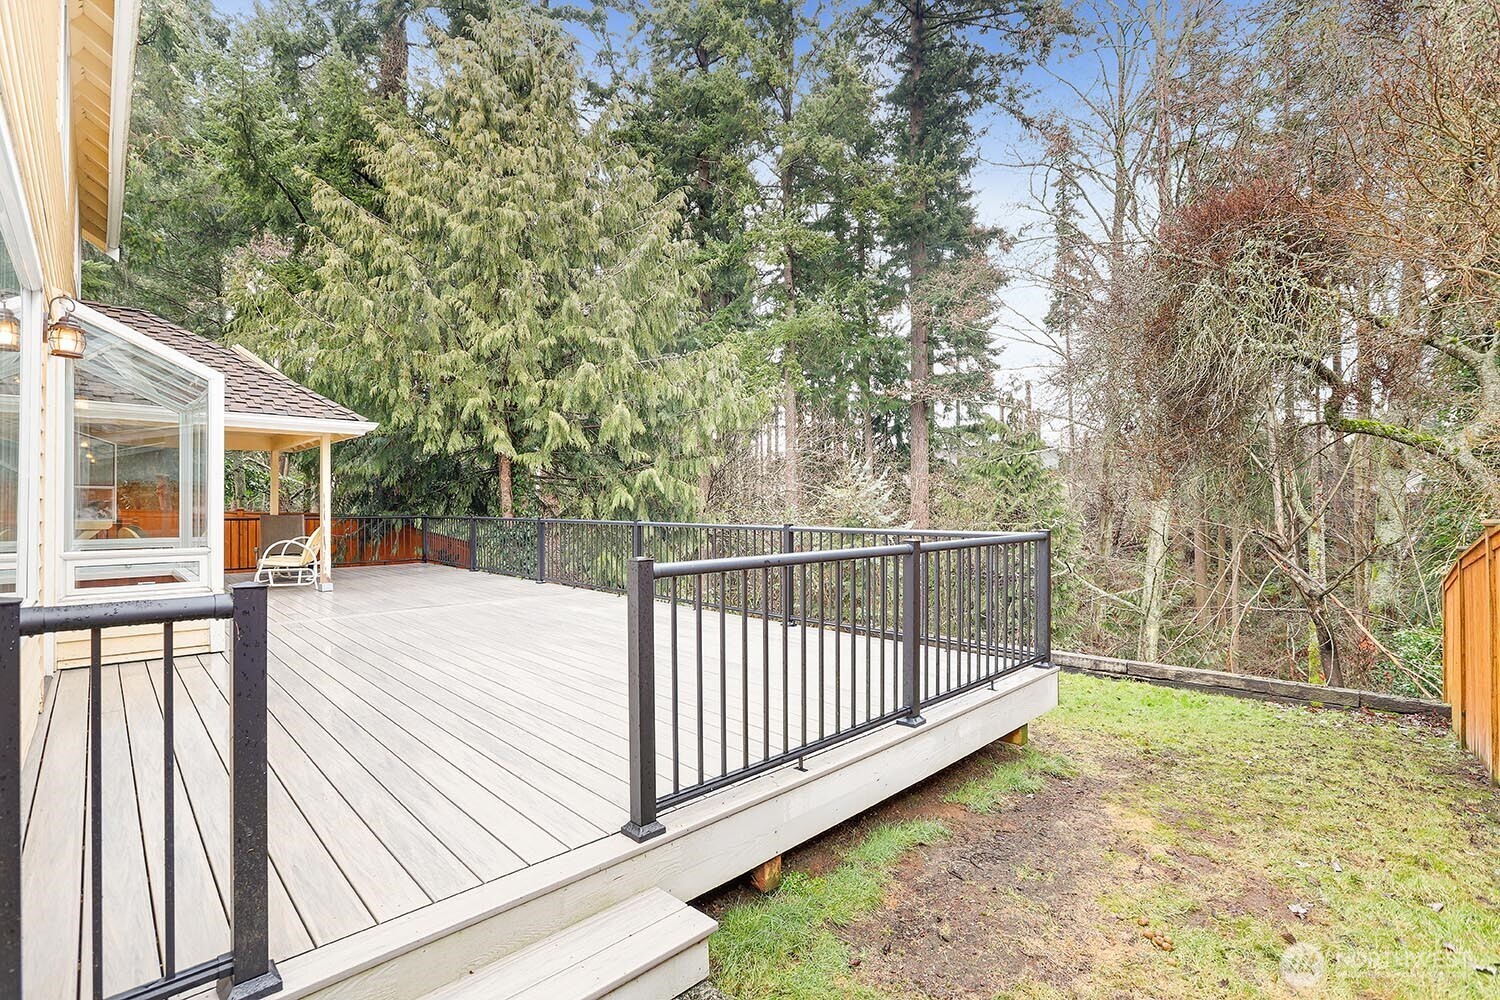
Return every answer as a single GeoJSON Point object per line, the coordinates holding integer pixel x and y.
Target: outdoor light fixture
{"type": "Point", "coordinates": [65, 336]}
{"type": "Point", "coordinates": [10, 330]}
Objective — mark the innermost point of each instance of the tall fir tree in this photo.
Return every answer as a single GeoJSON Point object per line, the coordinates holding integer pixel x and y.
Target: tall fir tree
{"type": "Point", "coordinates": [953, 59]}
{"type": "Point", "coordinates": [513, 288]}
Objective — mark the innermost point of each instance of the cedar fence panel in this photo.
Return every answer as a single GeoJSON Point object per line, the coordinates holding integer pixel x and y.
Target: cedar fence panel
{"type": "Point", "coordinates": [1471, 648]}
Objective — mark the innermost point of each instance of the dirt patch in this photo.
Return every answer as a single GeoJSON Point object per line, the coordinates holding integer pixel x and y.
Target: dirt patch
{"type": "Point", "coordinates": [1014, 896]}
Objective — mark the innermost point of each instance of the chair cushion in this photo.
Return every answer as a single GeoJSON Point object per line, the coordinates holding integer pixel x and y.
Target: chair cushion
{"type": "Point", "coordinates": [285, 562]}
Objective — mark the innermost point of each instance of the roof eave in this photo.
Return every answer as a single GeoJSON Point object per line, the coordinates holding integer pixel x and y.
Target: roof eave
{"type": "Point", "coordinates": [127, 29]}
{"type": "Point", "coordinates": [294, 425]}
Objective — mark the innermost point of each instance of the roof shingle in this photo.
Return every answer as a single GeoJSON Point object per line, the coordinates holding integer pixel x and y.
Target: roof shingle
{"type": "Point", "coordinates": [250, 386]}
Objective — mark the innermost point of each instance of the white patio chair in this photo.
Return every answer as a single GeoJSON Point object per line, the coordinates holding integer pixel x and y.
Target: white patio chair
{"type": "Point", "coordinates": [292, 562]}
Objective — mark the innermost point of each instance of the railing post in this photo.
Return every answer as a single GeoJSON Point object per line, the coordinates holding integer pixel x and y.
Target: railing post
{"type": "Point", "coordinates": [637, 540]}
{"type": "Point", "coordinates": [1044, 598]}
{"type": "Point", "coordinates": [788, 544]}
{"type": "Point", "coordinates": [911, 632]}
{"type": "Point", "coordinates": [541, 550]}
{"type": "Point", "coordinates": [10, 796]}
{"type": "Point", "coordinates": [423, 522]}
{"type": "Point", "coordinates": [473, 545]}
{"type": "Point", "coordinates": [640, 609]}
{"type": "Point", "coordinates": [254, 975]}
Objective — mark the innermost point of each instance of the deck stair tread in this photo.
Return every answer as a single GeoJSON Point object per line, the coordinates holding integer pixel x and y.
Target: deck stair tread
{"type": "Point", "coordinates": [594, 958]}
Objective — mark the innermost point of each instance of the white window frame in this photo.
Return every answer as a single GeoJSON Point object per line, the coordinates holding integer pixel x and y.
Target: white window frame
{"type": "Point", "coordinates": [209, 558]}
{"type": "Point", "coordinates": [26, 261]}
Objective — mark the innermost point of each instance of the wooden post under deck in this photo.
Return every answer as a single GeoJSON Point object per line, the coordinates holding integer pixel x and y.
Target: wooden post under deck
{"type": "Point", "coordinates": [325, 511]}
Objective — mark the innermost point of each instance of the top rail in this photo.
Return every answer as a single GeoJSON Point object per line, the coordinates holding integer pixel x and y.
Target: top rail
{"type": "Point", "coordinates": [111, 614]}
{"type": "Point", "coordinates": [734, 564]}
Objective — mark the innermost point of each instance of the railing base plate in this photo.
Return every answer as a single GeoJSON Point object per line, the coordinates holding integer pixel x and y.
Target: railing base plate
{"type": "Point", "coordinates": [643, 833]}
{"type": "Point", "coordinates": [263, 985]}
{"type": "Point", "coordinates": [911, 721]}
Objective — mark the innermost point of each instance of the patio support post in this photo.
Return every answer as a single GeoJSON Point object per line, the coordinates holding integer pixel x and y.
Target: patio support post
{"type": "Point", "coordinates": [473, 545]}
{"type": "Point", "coordinates": [911, 634]}
{"type": "Point", "coordinates": [541, 550]}
{"type": "Point", "coordinates": [422, 520]}
{"type": "Point", "coordinates": [788, 544]}
{"type": "Point", "coordinates": [253, 974]}
{"type": "Point", "coordinates": [1044, 598]}
{"type": "Point", "coordinates": [640, 610]}
{"type": "Point", "coordinates": [275, 482]}
{"type": "Point", "coordinates": [325, 512]}
{"type": "Point", "coordinates": [10, 796]}
{"type": "Point", "coordinates": [637, 540]}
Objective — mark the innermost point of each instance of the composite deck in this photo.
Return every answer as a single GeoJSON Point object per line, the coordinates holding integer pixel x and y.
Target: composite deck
{"type": "Point", "coordinates": [432, 731]}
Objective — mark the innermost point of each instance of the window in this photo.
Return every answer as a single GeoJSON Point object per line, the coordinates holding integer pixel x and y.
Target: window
{"type": "Point", "coordinates": [137, 489]}
{"type": "Point", "coordinates": [10, 430]}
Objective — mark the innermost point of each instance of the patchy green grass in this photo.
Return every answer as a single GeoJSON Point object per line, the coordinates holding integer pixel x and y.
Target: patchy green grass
{"type": "Point", "coordinates": [1367, 846]}
{"type": "Point", "coordinates": [1378, 827]}
{"type": "Point", "coordinates": [781, 947]}
{"type": "Point", "coordinates": [1026, 775]}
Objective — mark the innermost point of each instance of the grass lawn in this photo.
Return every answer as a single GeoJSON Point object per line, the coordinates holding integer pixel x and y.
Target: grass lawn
{"type": "Point", "coordinates": [1148, 843]}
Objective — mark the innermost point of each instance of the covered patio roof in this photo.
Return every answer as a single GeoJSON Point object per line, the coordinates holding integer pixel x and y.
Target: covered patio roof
{"type": "Point", "coordinates": [264, 409]}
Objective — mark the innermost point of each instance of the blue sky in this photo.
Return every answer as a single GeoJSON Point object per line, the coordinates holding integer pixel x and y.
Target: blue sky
{"type": "Point", "coordinates": [1005, 196]}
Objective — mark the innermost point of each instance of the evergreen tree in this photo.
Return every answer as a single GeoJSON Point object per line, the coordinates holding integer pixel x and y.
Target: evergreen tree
{"type": "Point", "coordinates": [694, 113]}
{"type": "Point", "coordinates": [953, 59]}
{"type": "Point", "coordinates": [513, 289]}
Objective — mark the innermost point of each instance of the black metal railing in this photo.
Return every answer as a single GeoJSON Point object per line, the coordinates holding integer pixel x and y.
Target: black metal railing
{"type": "Point", "coordinates": [779, 640]}
{"type": "Point", "coordinates": [801, 650]}
{"type": "Point", "coordinates": [246, 969]}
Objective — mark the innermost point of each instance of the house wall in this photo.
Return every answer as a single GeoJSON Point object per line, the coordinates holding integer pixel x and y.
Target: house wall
{"type": "Point", "coordinates": [34, 88]}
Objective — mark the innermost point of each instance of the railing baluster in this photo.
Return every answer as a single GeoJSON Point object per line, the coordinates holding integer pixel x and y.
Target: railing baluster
{"type": "Point", "coordinates": [96, 806]}
{"type": "Point", "coordinates": [911, 603]}
{"type": "Point", "coordinates": [169, 801]}
{"type": "Point", "coordinates": [676, 695]}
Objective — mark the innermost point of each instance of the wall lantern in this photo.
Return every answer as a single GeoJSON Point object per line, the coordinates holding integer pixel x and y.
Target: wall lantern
{"type": "Point", "coordinates": [10, 330]}
{"type": "Point", "coordinates": [65, 336]}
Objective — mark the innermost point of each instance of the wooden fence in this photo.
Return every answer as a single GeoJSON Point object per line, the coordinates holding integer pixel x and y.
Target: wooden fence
{"type": "Point", "coordinates": [1471, 647]}
{"type": "Point", "coordinates": [357, 541]}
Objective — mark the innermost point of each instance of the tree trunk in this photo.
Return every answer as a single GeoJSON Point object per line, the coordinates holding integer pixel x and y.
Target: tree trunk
{"type": "Point", "coordinates": [921, 429]}
{"type": "Point", "coordinates": [237, 480]}
{"type": "Point", "coordinates": [393, 51]}
{"type": "Point", "coordinates": [505, 475]}
{"type": "Point", "coordinates": [1153, 578]}
{"type": "Point", "coordinates": [1232, 657]}
{"type": "Point", "coordinates": [1200, 561]}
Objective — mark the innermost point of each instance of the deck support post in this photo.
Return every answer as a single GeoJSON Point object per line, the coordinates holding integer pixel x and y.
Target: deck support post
{"type": "Point", "coordinates": [637, 540]}
{"type": "Point", "coordinates": [473, 545]}
{"type": "Point", "coordinates": [911, 633]}
{"type": "Point", "coordinates": [1043, 570]}
{"type": "Point", "coordinates": [640, 609]}
{"type": "Point", "coordinates": [10, 796]}
{"type": "Point", "coordinates": [422, 520]}
{"type": "Point", "coordinates": [541, 550]}
{"type": "Point", "coordinates": [275, 465]}
{"type": "Point", "coordinates": [767, 877]}
{"type": "Point", "coordinates": [254, 975]}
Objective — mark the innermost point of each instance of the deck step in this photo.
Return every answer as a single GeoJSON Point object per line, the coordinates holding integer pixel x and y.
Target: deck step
{"type": "Point", "coordinates": [650, 947]}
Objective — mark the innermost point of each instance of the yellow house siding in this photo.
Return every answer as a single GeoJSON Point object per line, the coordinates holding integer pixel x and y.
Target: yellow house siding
{"type": "Point", "coordinates": [32, 79]}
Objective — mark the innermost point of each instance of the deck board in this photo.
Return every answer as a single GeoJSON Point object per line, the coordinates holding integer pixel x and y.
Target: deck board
{"type": "Point", "coordinates": [431, 730]}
